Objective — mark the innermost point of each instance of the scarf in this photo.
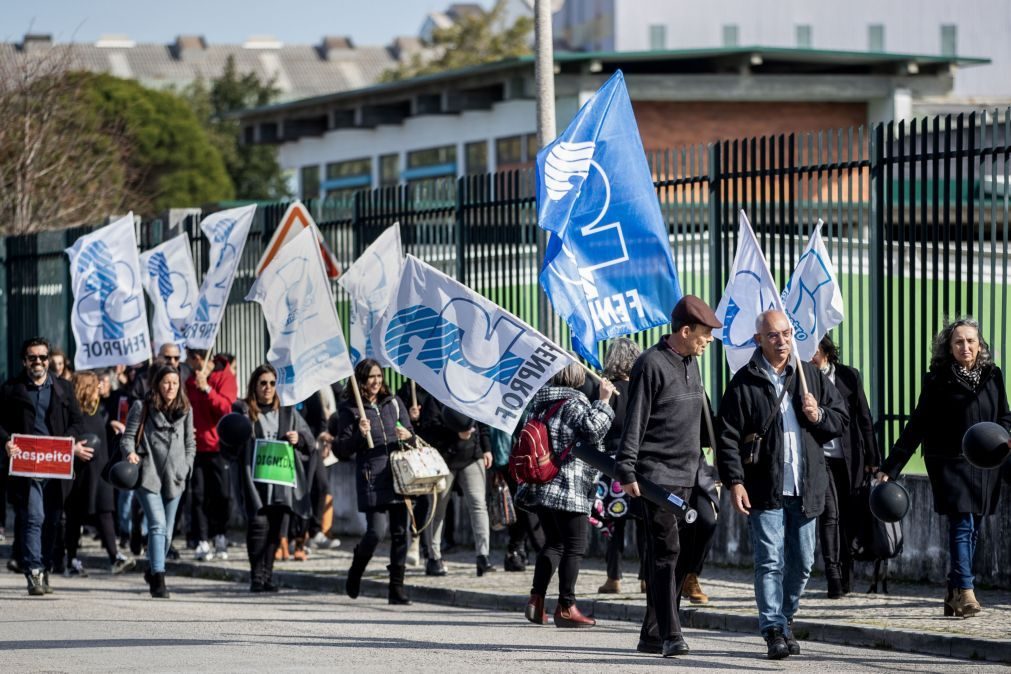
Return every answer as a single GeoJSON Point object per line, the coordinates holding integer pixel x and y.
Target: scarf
{"type": "Point", "coordinates": [969, 377]}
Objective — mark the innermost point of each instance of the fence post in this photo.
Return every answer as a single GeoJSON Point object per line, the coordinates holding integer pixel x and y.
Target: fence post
{"type": "Point", "coordinates": [4, 291]}
{"type": "Point", "coordinates": [715, 263]}
{"type": "Point", "coordinates": [877, 285]}
{"type": "Point", "coordinates": [460, 225]}
{"type": "Point", "coordinates": [357, 227]}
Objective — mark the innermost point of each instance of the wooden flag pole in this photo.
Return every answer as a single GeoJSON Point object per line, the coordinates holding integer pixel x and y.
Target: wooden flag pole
{"type": "Point", "coordinates": [414, 393]}
{"type": "Point", "coordinates": [800, 369]}
{"type": "Point", "coordinates": [361, 407]}
{"type": "Point", "coordinates": [594, 374]}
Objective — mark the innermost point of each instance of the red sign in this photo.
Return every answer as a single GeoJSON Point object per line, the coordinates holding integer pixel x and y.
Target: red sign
{"type": "Point", "coordinates": [294, 220]}
{"type": "Point", "coordinates": [43, 457]}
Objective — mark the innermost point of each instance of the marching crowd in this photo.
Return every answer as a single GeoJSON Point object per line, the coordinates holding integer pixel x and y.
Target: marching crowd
{"type": "Point", "coordinates": [792, 444]}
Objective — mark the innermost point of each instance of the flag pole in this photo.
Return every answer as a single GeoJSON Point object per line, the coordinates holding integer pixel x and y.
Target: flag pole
{"type": "Point", "coordinates": [594, 374]}
{"type": "Point", "coordinates": [800, 369]}
{"type": "Point", "coordinates": [414, 393]}
{"type": "Point", "coordinates": [361, 407]}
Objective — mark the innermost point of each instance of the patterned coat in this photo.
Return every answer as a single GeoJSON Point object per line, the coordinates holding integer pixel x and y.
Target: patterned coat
{"type": "Point", "coordinates": [578, 420]}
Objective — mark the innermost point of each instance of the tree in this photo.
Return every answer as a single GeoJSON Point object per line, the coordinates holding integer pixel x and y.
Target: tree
{"type": "Point", "coordinates": [254, 169]}
{"type": "Point", "coordinates": [471, 40]}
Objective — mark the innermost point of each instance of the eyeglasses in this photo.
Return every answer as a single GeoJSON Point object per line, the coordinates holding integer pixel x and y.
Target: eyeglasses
{"type": "Point", "coordinates": [785, 335]}
{"type": "Point", "coordinates": [267, 382]}
{"type": "Point", "coordinates": [33, 358]}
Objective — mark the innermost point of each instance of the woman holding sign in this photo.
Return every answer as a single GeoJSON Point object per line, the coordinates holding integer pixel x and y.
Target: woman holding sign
{"type": "Point", "coordinates": [159, 436]}
{"type": "Point", "coordinates": [386, 420]}
{"type": "Point", "coordinates": [273, 479]}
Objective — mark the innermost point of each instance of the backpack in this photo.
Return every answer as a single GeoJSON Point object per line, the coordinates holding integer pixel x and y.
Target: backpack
{"type": "Point", "coordinates": [532, 460]}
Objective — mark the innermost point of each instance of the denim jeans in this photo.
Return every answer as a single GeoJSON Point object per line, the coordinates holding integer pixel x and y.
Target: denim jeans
{"type": "Point", "coordinates": [783, 542]}
{"type": "Point", "coordinates": [39, 517]}
{"type": "Point", "coordinates": [963, 532]}
{"type": "Point", "coordinates": [161, 519]}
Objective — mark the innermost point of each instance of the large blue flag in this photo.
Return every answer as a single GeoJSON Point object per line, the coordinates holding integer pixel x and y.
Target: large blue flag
{"type": "Point", "coordinates": [608, 268]}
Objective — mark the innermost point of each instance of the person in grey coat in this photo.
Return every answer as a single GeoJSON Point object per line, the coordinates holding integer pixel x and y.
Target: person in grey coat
{"type": "Point", "coordinates": [563, 503]}
{"type": "Point", "coordinates": [159, 436]}
{"type": "Point", "coordinates": [267, 503]}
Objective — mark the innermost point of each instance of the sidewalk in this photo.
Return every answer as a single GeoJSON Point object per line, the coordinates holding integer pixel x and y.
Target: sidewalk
{"type": "Point", "coordinates": [910, 618]}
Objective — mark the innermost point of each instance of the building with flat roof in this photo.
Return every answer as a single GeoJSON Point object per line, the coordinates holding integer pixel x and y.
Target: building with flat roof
{"type": "Point", "coordinates": [483, 118]}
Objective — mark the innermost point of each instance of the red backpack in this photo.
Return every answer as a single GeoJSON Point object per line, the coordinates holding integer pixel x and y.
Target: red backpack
{"type": "Point", "coordinates": [532, 460]}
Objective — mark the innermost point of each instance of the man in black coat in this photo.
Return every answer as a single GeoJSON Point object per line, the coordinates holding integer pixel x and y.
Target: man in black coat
{"type": "Point", "coordinates": [662, 441]}
{"type": "Point", "coordinates": [781, 484]}
{"type": "Point", "coordinates": [37, 403]}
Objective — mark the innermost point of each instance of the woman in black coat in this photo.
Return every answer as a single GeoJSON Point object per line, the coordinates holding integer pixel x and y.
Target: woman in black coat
{"type": "Point", "coordinates": [268, 503]}
{"type": "Point", "coordinates": [848, 459]}
{"type": "Point", "coordinates": [962, 388]}
{"type": "Point", "coordinates": [386, 420]}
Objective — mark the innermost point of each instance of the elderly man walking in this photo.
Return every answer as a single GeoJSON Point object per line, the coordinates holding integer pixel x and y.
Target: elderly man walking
{"type": "Point", "coordinates": [770, 455]}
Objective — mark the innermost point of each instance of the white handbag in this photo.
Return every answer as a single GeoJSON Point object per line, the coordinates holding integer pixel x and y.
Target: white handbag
{"type": "Point", "coordinates": [418, 469]}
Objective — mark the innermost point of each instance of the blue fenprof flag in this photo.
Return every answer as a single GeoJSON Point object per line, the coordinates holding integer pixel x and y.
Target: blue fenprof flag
{"type": "Point", "coordinates": [608, 268]}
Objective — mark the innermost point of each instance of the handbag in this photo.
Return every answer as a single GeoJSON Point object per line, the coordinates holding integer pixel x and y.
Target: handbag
{"type": "Point", "coordinates": [501, 510]}
{"type": "Point", "coordinates": [751, 447]}
{"type": "Point", "coordinates": [418, 469]}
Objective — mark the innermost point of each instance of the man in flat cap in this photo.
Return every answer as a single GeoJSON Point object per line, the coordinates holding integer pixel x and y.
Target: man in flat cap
{"type": "Point", "coordinates": [662, 441]}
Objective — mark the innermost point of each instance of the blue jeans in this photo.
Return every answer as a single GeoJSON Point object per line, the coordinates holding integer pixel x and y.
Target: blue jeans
{"type": "Point", "coordinates": [39, 518]}
{"type": "Point", "coordinates": [783, 541]}
{"type": "Point", "coordinates": [161, 520]}
{"type": "Point", "coordinates": [963, 532]}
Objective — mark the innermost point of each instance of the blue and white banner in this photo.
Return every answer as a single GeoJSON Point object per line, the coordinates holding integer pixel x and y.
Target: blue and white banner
{"type": "Point", "coordinates": [608, 268]}
{"type": "Point", "coordinates": [109, 318]}
{"type": "Point", "coordinates": [750, 291]}
{"type": "Point", "coordinates": [812, 298]}
{"type": "Point", "coordinates": [227, 232]}
{"type": "Point", "coordinates": [171, 282]}
{"type": "Point", "coordinates": [371, 282]}
{"type": "Point", "coordinates": [306, 343]}
{"type": "Point", "coordinates": [464, 349]}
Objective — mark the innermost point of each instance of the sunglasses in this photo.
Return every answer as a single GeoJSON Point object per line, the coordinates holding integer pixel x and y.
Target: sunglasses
{"type": "Point", "coordinates": [32, 358]}
{"type": "Point", "coordinates": [172, 359]}
{"type": "Point", "coordinates": [267, 382]}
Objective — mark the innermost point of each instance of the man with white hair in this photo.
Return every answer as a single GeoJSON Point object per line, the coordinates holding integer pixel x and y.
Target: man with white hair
{"type": "Point", "coordinates": [770, 456]}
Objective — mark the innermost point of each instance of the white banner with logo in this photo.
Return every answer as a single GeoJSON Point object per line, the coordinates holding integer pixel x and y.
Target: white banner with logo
{"type": "Point", "coordinates": [812, 298]}
{"type": "Point", "coordinates": [171, 282]}
{"type": "Point", "coordinates": [306, 343]}
{"type": "Point", "coordinates": [109, 318]}
{"type": "Point", "coordinates": [464, 349]}
{"type": "Point", "coordinates": [371, 282]}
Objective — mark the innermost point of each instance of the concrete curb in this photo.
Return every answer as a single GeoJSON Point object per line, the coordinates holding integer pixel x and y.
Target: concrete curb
{"type": "Point", "coordinates": [966, 648]}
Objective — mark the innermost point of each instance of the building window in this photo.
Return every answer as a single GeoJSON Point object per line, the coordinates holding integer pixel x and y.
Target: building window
{"type": "Point", "coordinates": [508, 152]}
{"type": "Point", "coordinates": [430, 167]}
{"type": "Point", "coordinates": [730, 35]}
{"type": "Point", "coordinates": [309, 180]}
{"type": "Point", "coordinates": [532, 147]}
{"type": "Point", "coordinates": [657, 37]}
{"type": "Point", "coordinates": [476, 157]}
{"type": "Point", "coordinates": [804, 36]}
{"type": "Point", "coordinates": [389, 170]}
{"type": "Point", "coordinates": [876, 37]}
{"type": "Point", "coordinates": [344, 178]}
{"type": "Point", "coordinates": [949, 40]}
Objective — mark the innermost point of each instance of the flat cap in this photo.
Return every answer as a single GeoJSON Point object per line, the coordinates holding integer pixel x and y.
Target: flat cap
{"type": "Point", "coordinates": [692, 309]}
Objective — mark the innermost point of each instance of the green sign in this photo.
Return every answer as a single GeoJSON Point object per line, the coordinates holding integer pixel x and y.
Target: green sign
{"type": "Point", "coordinates": [274, 463]}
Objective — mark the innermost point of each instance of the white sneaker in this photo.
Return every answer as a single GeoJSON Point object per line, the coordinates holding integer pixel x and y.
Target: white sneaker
{"type": "Point", "coordinates": [76, 568]}
{"type": "Point", "coordinates": [221, 547]}
{"type": "Point", "coordinates": [413, 554]}
{"type": "Point", "coordinates": [203, 553]}
{"type": "Point", "coordinates": [324, 542]}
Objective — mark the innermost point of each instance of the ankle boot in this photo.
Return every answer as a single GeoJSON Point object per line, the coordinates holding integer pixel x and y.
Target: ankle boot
{"type": "Point", "coordinates": [484, 566]}
{"type": "Point", "coordinates": [833, 575]}
{"type": "Point", "coordinates": [158, 589]}
{"type": "Point", "coordinates": [397, 593]}
{"type": "Point", "coordinates": [610, 586]}
{"type": "Point", "coordinates": [693, 591]}
{"type": "Point", "coordinates": [964, 604]}
{"type": "Point", "coordinates": [847, 574]}
{"type": "Point", "coordinates": [354, 581]}
{"type": "Point", "coordinates": [535, 610]}
{"type": "Point", "coordinates": [572, 617]}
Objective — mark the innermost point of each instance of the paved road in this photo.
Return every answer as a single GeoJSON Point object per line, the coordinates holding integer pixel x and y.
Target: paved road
{"type": "Point", "coordinates": [107, 624]}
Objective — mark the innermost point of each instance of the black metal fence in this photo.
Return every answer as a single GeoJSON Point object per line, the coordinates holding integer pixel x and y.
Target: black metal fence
{"type": "Point", "coordinates": [916, 220]}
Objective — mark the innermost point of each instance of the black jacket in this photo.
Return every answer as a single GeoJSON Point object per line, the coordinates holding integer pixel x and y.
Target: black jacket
{"type": "Point", "coordinates": [373, 475]}
{"type": "Point", "coordinates": [859, 444]}
{"type": "Point", "coordinates": [747, 402]}
{"type": "Point", "coordinates": [946, 409]}
{"type": "Point", "coordinates": [457, 452]}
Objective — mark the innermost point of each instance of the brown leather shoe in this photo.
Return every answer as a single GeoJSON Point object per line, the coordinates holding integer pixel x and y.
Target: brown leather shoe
{"type": "Point", "coordinates": [693, 591]}
{"type": "Point", "coordinates": [610, 586]}
{"type": "Point", "coordinates": [571, 617]}
{"type": "Point", "coordinates": [535, 610]}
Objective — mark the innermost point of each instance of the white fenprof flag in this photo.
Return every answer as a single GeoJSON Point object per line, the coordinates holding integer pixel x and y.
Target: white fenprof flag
{"type": "Point", "coordinates": [226, 231]}
{"type": "Point", "coordinates": [109, 318]}
{"type": "Point", "coordinates": [812, 298]}
{"type": "Point", "coordinates": [464, 349]}
{"type": "Point", "coordinates": [371, 282]}
{"type": "Point", "coordinates": [750, 291]}
{"type": "Point", "coordinates": [306, 344]}
{"type": "Point", "coordinates": [171, 282]}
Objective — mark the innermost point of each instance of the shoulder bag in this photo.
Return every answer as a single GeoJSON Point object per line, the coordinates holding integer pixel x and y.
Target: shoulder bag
{"type": "Point", "coordinates": [751, 448]}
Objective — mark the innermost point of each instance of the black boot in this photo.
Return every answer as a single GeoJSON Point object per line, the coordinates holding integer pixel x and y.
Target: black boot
{"type": "Point", "coordinates": [158, 590]}
{"type": "Point", "coordinates": [397, 593]}
{"type": "Point", "coordinates": [515, 562]}
{"type": "Point", "coordinates": [484, 566]}
{"type": "Point", "coordinates": [847, 573]}
{"type": "Point", "coordinates": [354, 582]}
{"type": "Point", "coordinates": [833, 575]}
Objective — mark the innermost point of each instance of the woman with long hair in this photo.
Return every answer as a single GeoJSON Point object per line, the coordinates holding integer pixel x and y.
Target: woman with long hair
{"type": "Point", "coordinates": [266, 503]}
{"type": "Point", "coordinates": [387, 422]}
{"type": "Point", "coordinates": [962, 387]}
{"type": "Point", "coordinates": [159, 436]}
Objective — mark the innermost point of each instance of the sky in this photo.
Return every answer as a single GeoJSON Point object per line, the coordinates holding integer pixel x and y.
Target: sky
{"type": "Point", "coordinates": [372, 22]}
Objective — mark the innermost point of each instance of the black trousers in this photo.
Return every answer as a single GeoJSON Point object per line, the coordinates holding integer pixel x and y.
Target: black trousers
{"type": "Point", "coordinates": [263, 533]}
{"type": "Point", "coordinates": [210, 496]}
{"type": "Point", "coordinates": [664, 576]}
{"type": "Point", "coordinates": [616, 546]}
{"type": "Point", "coordinates": [392, 518]}
{"type": "Point", "coordinates": [834, 527]}
{"type": "Point", "coordinates": [564, 546]}
{"type": "Point", "coordinates": [526, 528]}
{"type": "Point", "coordinates": [697, 537]}
{"type": "Point", "coordinates": [320, 489]}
